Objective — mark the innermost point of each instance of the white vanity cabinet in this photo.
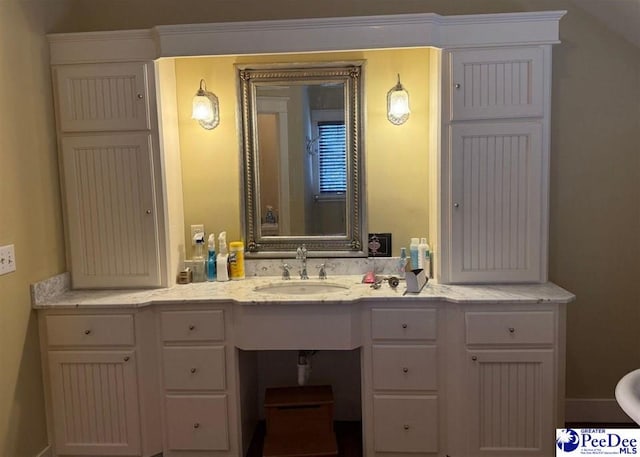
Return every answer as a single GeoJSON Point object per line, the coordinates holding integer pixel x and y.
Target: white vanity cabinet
{"type": "Point", "coordinates": [495, 127]}
{"type": "Point", "coordinates": [400, 379]}
{"type": "Point", "coordinates": [511, 380]}
{"type": "Point", "coordinates": [112, 180]}
{"type": "Point", "coordinates": [101, 383]}
{"type": "Point", "coordinates": [198, 399]}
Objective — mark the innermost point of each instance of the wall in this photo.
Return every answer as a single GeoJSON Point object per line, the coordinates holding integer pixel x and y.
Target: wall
{"type": "Point", "coordinates": [30, 218]}
{"type": "Point", "coordinates": [210, 159]}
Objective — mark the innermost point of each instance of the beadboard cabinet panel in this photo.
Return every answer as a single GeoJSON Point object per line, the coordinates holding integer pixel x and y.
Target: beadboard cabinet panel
{"type": "Point", "coordinates": [511, 402]}
{"type": "Point", "coordinates": [497, 83]}
{"type": "Point", "coordinates": [111, 212]}
{"type": "Point", "coordinates": [497, 202]}
{"type": "Point", "coordinates": [95, 402]}
{"type": "Point", "coordinates": [102, 97]}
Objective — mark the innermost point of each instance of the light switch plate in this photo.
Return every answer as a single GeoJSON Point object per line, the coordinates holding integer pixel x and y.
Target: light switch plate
{"type": "Point", "coordinates": [7, 259]}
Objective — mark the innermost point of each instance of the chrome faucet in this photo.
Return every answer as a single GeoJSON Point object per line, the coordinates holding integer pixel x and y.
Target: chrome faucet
{"type": "Point", "coordinates": [301, 254]}
{"type": "Point", "coordinates": [322, 274]}
{"type": "Point", "coordinates": [285, 271]}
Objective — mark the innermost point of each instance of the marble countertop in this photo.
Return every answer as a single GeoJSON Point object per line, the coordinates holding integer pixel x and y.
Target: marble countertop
{"type": "Point", "coordinates": [243, 293]}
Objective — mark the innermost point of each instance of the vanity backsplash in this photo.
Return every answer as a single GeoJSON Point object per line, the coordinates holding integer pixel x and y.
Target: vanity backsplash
{"type": "Point", "coordinates": [333, 266]}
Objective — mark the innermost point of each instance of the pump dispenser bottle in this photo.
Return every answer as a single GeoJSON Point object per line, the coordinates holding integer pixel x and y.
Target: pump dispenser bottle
{"type": "Point", "coordinates": [413, 253]}
{"type": "Point", "coordinates": [223, 258]}
{"type": "Point", "coordinates": [211, 259]}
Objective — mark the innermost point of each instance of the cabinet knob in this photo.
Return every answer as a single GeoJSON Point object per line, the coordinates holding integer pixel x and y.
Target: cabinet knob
{"type": "Point", "coordinates": [87, 332]}
{"type": "Point", "coordinates": [196, 425]}
{"type": "Point", "coordinates": [140, 96]}
{"type": "Point", "coordinates": [404, 325]}
{"type": "Point", "coordinates": [405, 370]}
{"type": "Point", "coordinates": [406, 427]}
{"type": "Point", "coordinates": [148, 211]}
{"type": "Point", "coordinates": [458, 85]}
{"type": "Point", "coordinates": [512, 330]}
{"type": "Point", "coordinates": [193, 370]}
{"type": "Point", "coordinates": [192, 327]}
{"type": "Point", "coordinates": [126, 359]}
{"type": "Point", "coordinates": [456, 205]}
{"type": "Point", "coordinates": [474, 358]}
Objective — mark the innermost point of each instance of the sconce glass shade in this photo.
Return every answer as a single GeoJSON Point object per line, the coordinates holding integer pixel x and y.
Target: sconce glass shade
{"type": "Point", "coordinates": [398, 104]}
{"type": "Point", "coordinates": [205, 108]}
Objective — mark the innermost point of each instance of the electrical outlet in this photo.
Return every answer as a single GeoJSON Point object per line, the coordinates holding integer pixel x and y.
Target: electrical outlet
{"type": "Point", "coordinates": [196, 228]}
{"type": "Point", "coordinates": [7, 259]}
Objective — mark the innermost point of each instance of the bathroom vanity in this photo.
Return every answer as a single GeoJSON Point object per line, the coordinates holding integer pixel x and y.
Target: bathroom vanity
{"type": "Point", "coordinates": [457, 370]}
{"type": "Point", "coordinates": [454, 370]}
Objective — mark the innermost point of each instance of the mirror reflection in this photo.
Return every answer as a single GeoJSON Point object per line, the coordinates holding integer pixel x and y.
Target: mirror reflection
{"type": "Point", "coordinates": [301, 132]}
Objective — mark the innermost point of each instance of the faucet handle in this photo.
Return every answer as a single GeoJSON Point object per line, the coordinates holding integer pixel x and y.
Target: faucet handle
{"type": "Point", "coordinates": [322, 274]}
{"type": "Point", "coordinates": [285, 271]}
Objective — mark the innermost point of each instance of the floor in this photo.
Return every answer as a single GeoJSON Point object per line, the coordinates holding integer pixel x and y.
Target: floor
{"type": "Point", "coordinates": [348, 436]}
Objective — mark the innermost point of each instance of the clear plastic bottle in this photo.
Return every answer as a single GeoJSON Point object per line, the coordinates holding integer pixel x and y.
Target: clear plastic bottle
{"type": "Point", "coordinates": [413, 252]}
{"type": "Point", "coordinates": [402, 263]}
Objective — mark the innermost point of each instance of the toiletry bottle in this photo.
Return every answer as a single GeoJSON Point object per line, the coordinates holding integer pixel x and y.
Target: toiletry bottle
{"type": "Point", "coordinates": [236, 260]}
{"type": "Point", "coordinates": [198, 258]}
{"type": "Point", "coordinates": [222, 271]}
{"type": "Point", "coordinates": [428, 260]}
{"type": "Point", "coordinates": [211, 259]}
{"type": "Point", "coordinates": [422, 251]}
{"type": "Point", "coordinates": [413, 253]}
{"type": "Point", "coordinates": [402, 263]}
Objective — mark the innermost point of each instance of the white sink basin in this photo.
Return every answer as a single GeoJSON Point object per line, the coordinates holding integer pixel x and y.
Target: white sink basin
{"type": "Point", "coordinates": [301, 288]}
{"type": "Point", "coordinates": [628, 394]}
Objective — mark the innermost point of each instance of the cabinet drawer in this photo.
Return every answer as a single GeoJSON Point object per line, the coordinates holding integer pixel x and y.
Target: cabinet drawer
{"type": "Point", "coordinates": [535, 327]}
{"type": "Point", "coordinates": [404, 367]}
{"type": "Point", "coordinates": [405, 423]}
{"type": "Point", "coordinates": [90, 330]}
{"type": "Point", "coordinates": [403, 324]}
{"type": "Point", "coordinates": [192, 325]}
{"type": "Point", "coordinates": [194, 368]}
{"type": "Point", "coordinates": [197, 422]}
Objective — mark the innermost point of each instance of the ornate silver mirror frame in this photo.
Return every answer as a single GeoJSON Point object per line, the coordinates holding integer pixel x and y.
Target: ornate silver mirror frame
{"type": "Point", "coordinates": [348, 243]}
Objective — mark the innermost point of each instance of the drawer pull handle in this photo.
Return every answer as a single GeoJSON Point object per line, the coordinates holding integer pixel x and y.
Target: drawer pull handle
{"type": "Point", "coordinates": [196, 425]}
{"type": "Point", "coordinates": [512, 330]}
{"type": "Point", "coordinates": [404, 325]}
{"type": "Point", "coordinates": [406, 427]}
{"type": "Point", "coordinates": [192, 327]}
{"type": "Point", "coordinates": [126, 359]}
{"type": "Point", "coordinates": [87, 332]}
{"type": "Point", "coordinates": [458, 85]}
{"type": "Point", "coordinates": [474, 358]}
{"type": "Point", "coordinates": [193, 370]}
{"type": "Point", "coordinates": [140, 96]}
{"type": "Point", "coordinates": [405, 370]}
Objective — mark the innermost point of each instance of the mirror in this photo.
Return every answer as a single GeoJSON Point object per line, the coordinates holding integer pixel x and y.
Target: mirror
{"type": "Point", "coordinates": [302, 130]}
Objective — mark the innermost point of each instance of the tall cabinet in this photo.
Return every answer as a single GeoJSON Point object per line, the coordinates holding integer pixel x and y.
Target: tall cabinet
{"type": "Point", "coordinates": [495, 160]}
{"type": "Point", "coordinates": [115, 198]}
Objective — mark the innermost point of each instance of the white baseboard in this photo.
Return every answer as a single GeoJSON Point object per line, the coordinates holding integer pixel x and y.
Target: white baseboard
{"type": "Point", "coordinates": [46, 452]}
{"type": "Point", "coordinates": [594, 410]}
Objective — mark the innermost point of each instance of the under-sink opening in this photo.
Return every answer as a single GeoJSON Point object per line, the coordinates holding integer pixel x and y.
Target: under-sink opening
{"type": "Point", "coordinates": [259, 370]}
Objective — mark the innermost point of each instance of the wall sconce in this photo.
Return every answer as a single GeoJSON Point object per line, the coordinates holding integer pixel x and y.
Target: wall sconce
{"type": "Point", "coordinates": [205, 107]}
{"type": "Point", "coordinates": [398, 104]}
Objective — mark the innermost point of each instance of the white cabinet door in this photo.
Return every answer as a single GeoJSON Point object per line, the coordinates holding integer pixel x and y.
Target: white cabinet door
{"type": "Point", "coordinates": [101, 97]}
{"type": "Point", "coordinates": [496, 206]}
{"type": "Point", "coordinates": [497, 83]}
{"type": "Point", "coordinates": [111, 214]}
{"type": "Point", "coordinates": [510, 397]}
{"type": "Point", "coordinates": [95, 402]}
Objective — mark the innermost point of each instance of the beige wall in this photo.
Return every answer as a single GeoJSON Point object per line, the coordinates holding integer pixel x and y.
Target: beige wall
{"type": "Point", "coordinates": [30, 218]}
{"type": "Point", "coordinates": [595, 175]}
